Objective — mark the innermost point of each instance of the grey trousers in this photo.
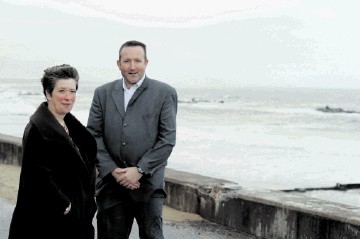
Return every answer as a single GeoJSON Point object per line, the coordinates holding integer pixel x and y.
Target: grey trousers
{"type": "Point", "coordinates": [116, 222]}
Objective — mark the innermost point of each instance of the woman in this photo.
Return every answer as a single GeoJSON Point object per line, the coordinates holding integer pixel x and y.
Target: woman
{"type": "Point", "coordinates": [56, 189]}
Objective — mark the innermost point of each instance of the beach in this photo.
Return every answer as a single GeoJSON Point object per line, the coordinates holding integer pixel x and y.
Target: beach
{"type": "Point", "coordinates": [9, 180]}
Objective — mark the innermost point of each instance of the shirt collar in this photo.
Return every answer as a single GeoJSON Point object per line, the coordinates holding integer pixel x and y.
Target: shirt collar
{"type": "Point", "coordinates": [136, 85]}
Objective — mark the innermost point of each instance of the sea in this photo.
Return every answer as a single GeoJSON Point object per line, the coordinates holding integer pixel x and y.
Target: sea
{"type": "Point", "coordinates": [258, 137]}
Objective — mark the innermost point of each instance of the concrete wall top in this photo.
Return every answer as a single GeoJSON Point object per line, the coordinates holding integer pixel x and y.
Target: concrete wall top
{"type": "Point", "coordinates": [289, 200]}
{"type": "Point", "coordinates": [10, 139]}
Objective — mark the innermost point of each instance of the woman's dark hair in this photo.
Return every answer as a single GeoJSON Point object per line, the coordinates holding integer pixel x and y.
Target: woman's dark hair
{"type": "Point", "coordinates": [52, 74]}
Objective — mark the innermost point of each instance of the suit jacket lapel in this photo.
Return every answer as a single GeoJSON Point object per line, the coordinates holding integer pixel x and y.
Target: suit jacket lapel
{"type": "Point", "coordinates": [138, 91]}
{"type": "Point", "coordinates": [118, 96]}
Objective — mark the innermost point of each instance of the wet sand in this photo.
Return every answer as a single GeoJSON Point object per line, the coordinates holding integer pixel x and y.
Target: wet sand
{"type": "Point", "coordinates": [9, 181]}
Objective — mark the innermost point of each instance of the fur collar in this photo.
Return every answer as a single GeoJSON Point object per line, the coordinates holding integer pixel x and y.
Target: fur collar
{"type": "Point", "coordinates": [48, 126]}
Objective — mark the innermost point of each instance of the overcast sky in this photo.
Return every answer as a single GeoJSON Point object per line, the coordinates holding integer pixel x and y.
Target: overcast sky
{"type": "Point", "coordinates": [197, 43]}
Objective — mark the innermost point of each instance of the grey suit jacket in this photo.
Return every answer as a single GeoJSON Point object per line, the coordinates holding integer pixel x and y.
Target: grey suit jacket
{"type": "Point", "coordinates": [143, 136]}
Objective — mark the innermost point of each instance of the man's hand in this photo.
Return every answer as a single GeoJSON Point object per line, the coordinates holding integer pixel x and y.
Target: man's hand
{"type": "Point", "coordinates": [127, 177]}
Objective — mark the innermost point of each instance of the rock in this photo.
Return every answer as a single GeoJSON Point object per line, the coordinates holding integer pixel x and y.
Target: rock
{"type": "Point", "coordinates": [328, 109]}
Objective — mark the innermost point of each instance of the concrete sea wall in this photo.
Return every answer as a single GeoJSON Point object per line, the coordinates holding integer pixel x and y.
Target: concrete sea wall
{"type": "Point", "coordinates": [10, 150]}
{"type": "Point", "coordinates": [261, 213]}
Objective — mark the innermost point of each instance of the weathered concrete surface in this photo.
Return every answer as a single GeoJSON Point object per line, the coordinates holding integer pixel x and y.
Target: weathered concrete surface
{"type": "Point", "coordinates": [260, 213]}
{"type": "Point", "coordinates": [10, 150]}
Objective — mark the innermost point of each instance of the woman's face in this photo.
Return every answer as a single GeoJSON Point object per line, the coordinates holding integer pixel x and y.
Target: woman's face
{"type": "Point", "coordinates": [63, 97]}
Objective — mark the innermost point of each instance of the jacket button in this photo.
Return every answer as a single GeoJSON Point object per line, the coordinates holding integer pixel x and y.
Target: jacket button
{"type": "Point", "coordinates": [123, 143]}
{"type": "Point", "coordinates": [125, 125]}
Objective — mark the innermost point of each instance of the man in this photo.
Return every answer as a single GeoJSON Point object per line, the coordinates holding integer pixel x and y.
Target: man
{"type": "Point", "coordinates": [134, 122]}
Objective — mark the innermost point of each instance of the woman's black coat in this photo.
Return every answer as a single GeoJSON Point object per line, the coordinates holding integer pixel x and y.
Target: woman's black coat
{"type": "Point", "coordinates": [56, 170]}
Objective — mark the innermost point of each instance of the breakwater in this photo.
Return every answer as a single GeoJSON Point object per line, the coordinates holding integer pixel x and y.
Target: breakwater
{"type": "Point", "coordinates": [260, 213]}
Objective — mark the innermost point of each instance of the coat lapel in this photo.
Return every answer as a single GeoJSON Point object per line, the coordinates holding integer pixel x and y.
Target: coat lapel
{"type": "Point", "coordinates": [138, 92]}
{"type": "Point", "coordinates": [118, 96]}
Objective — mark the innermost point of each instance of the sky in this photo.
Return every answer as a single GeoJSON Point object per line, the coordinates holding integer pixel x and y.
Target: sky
{"type": "Point", "coordinates": [202, 43]}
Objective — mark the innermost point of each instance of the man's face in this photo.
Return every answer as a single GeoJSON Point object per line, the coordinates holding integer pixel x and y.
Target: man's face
{"type": "Point", "coordinates": [132, 64]}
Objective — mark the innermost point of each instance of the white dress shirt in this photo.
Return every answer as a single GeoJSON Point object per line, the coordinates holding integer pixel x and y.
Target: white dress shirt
{"type": "Point", "coordinates": [128, 93]}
